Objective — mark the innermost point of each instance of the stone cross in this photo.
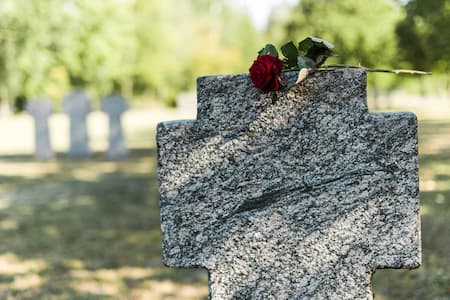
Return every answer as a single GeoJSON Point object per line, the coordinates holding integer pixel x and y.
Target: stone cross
{"type": "Point", "coordinates": [77, 105]}
{"type": "Point", "coordinates": [41, 110]}
{"type": "Point", "coordinates": [298, 194]}
{"type": "Point", "coordinates": [115, 106]}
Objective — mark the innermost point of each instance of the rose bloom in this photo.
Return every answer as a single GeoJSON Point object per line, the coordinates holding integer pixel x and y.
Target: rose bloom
{"type": "Point", "coordinates": [265, 73]}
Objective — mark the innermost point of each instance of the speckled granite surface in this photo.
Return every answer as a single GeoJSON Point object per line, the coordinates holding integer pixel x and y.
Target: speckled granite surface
{"type": "Point", "coordinates": [298, 196]}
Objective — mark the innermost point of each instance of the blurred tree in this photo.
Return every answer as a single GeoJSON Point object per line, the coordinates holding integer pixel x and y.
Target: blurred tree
{"type": "Point", "coordinates": [97, 44]}
{"type": "Point", "coordinates": [52, 45]}
{"type": "Point", "coordinates": [424, 35]}
{"type": "Point", "coordinates": [197, 38]}
{"type": "Point", "coordinates": [140, 46]}
{"type": "Point", "coordinates": [363, 32]}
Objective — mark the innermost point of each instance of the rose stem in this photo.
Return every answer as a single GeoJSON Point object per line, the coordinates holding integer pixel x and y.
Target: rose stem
{"type": "Point", "coordinates": [338, 66]}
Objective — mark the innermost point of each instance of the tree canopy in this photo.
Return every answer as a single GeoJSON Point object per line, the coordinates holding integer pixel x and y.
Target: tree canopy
{"type": "Point", "coordinates": [378, 33]}
{"type": "Point", "coordinates": [138, 46]}
{"type": "Point", "coordinates": [158, 48]}
{"type": "Point", "coordinates": [362, 31]}
{"type": "Point", "coordinates": [424, 35]}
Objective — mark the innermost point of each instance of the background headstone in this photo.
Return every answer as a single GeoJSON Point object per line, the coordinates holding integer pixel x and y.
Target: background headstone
{"type": "Point", "coordinates": [299, 194]}
{"type": "Point", "coordinates": [77, 106]}
{"type": "Point", "coordinates": [41, 110]}
{"type": "Point", "coordinates": [115, 106]}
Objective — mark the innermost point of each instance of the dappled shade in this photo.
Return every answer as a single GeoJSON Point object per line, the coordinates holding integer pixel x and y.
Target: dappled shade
{"type": "Point", "coordinates": [86, 229]}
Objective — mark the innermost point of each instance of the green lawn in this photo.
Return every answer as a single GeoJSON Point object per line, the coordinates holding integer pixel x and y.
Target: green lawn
{"type": "Point", "coordinates": [90, 230]}
{"type": "Point", "coordinates": [86, 230]}
{"type": "Point", "coordinates": [432, 279]}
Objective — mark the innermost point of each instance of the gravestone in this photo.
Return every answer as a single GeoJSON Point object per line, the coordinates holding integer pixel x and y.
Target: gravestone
{"type": "Point", "coordinates": [115, 106]}
{"type": "Point", "coordinates": [77, 105]}
{"type": "Point", "coordinates": [298, 194]}
{"type": "Point", "coordinates": [41, 110]}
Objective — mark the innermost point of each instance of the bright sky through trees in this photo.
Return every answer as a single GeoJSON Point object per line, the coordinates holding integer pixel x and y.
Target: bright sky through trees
{"type": "Point", "coordinates": [259, 10]}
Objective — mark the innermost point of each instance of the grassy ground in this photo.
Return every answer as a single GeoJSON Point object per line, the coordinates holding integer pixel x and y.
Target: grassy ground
{"type": "Point", "coordinates": [86, 230]}
{"type": "Point", "coordinates": [90, 229]}
{"type": "Point", "coordinates": [432, 279]}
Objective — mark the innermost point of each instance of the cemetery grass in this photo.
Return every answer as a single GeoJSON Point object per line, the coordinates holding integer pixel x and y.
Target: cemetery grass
{"type": "Point", "coordinates": [86, 230]}
{"type": "Point", "coordinates": [90, 229]}
{"type": "Point", "coordinates": [432, 279]}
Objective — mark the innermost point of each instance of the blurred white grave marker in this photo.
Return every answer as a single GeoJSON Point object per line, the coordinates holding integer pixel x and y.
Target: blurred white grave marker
{"type": "Point", "coordinates": [77, 105]}
{"type": "Point", "coordinates": [40, 110]}
{"type": "Point", "coordinates": [115, 106]}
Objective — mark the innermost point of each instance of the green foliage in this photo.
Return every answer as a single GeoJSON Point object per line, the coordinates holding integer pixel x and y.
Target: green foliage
{"type": "Point", "coordinates": [53, 45]}
{"type": "Point", "coordinates": [140, 46]}
{"type": "Point", "coordinates": [424, 35]}
{"type": "Point", "coordinates": [178, 45]}
{"type": "Point", "coordinates": [269, 49]}
{"type": "Point", "coordinates": [311, 53]}
{"type": "Point", "coordinates": [290, 52]}
{"type": "Point", "coordinates": [148, 47]}
{"type": "Point", "coordinates": [363, 32]}
{"type": "Point", "coordinates": [316, 49]}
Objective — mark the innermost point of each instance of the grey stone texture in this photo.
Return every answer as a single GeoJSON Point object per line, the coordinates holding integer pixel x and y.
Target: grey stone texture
{"type": "Point", "coordinates": [77, 106]}
{"type": "Point", "coordinates": [298, 194]}
{"type": "Point", "coordinates": [41, 109]}
{"type": "Point", "coordinates": [115, 106]}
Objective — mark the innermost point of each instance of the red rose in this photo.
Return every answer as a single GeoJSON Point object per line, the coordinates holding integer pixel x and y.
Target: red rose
{"type": "Point", "coordinates": [265, 73]}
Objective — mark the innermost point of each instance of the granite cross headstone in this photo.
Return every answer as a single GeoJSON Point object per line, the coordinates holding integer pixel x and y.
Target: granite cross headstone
{"type": "Point", "coordinates": [115, 106]}
{"type": "Point", "coordinates": [41, 110]}
{"type": "Point", "coordinates": [298, 194]}
{"type": "Point", "coordinates": [77, 105]}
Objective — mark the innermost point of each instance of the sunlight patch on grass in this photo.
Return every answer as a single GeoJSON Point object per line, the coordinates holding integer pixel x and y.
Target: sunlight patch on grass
{"type": "Point", "coordinates": [104, 281]}
{"type": "Point", "coordinates": [26, 282]}
{"type": "Point", "coordinates": [141, 167]}
{"type": "Point", "coordinates": [74, 264]}
{"type": "Point", "coordinates": [96, 287]}
{"type": "Point", "coordinates": [108, 275]}
{"type": "Point", "coordinates": [10, 264]}
{"type": "Point", "coordinates": [29, 170]}
{"type": "Point", "coordinates": [425, 210]}
{"type": "Point", "coordinates": [435, 144]}
{"type": "Point", "coordinates": [427, 185]}
{"type": "Point", "coordinates": [165, 289]}
{"type": "Point", "coordinates": [133, 283]}
{"type": "Point", "coordinates": [435, 177]}
{"type": "Point", "coordinates": [93, 174]}
{"type": "Point", "coordinates": [8, 224]}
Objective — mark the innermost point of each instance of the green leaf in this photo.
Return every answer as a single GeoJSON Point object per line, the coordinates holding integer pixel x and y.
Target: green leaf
{"type": "Point", "coordinates": [269, 49]}
{"type": "Point", "coordinates": [305, 62]}
{"type": "Point", "coordinates": [316, 49]}
{"type": "Point", "coordinates": [290, 53]}
{"type": "Point", "coordinates": [305, 45]}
